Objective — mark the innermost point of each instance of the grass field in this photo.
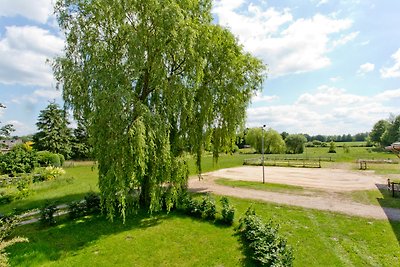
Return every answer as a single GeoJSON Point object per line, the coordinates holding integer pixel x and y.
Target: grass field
{"type": "Point", "coordinates": [261, 186]}
{"type": "Point", "coordinates": [318, 239]}
{"type": "Point", "coordinates": [353, 155]}
{"type": "Point", "coordinates": [73, 186]}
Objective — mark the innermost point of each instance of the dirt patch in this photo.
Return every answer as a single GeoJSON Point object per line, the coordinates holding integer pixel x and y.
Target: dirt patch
{"type": "Point", "coordinates": [328, 180]}
{"type": "Point", "coordinates": [337, 180]}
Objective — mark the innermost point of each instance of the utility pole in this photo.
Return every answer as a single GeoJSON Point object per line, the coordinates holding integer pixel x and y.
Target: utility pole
{"type": "Point", "coordinates": [262, 151]}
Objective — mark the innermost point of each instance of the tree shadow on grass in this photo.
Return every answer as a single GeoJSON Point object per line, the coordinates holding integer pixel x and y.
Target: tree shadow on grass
{"type": "Point", "coordinates": [21, 206]}
{"type": "Point", "coordinates": [391, 205]}
{"type": "Point", "coordinates": [49, 244]}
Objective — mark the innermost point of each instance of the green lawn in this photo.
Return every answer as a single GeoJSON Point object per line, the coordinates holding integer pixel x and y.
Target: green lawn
{"type": "Point", "coordinates": [381, 198]}
{"type": "Point", "coordinates": [318, 239]}
{"type": "Point", "coordinates": [260, 186]}
{"type": "Point", "coordinates": [72, 186]}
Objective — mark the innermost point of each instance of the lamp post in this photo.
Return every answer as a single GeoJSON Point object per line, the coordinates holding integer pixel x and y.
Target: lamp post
{"type": "Point", "coordinates": [262, 151]}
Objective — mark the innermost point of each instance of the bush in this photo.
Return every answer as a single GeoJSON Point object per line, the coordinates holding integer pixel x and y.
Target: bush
{"type": "Point", "coordinates": [46, 158]}
{"type": "Point", "coordinates": [228, 212]}
{"type": "Point", "coordinates": [332, 147]}
{"type": "Point", "coordinates": [6, 199]}
{"type": "Point", "coordinates": [47, 213]}
{"type": "Point", "coordinates": [92, 203]}
{"type": "Point", "coordinates": [208, 208]}
{"type": "Point", "coordinates": [76, 209]}
{"type": "Point", "coordinates": [189, 205]}
{"type": "Point", "coordinates": [266, 246]}
{"type": "Point", "coordinates": [24, 186]}
{"type": "Point", "coordinates": [6, 226]}
{"type": "Point", "coordinates": [62, 159]}
{"type": "Point", "coordinates": [18, 160]}
{"type": "Point", "coordinates": [48, 173]}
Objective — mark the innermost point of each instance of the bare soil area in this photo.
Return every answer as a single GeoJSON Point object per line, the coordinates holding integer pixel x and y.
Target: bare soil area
{"type": "Point", "coordinates": [328, 180]}
{"type": "Point", "coordinates": [338, 180]}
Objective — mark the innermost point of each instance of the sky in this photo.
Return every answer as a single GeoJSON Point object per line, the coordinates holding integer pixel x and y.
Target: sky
{"type": "Point", "coordinates": [333, 66]}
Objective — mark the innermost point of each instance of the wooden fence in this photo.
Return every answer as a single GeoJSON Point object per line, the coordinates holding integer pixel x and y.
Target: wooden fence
{"type": "Point", "coordinates": [287, 162]}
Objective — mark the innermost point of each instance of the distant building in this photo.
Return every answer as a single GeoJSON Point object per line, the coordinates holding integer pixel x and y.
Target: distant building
{"type": "Point", "coordinates": [7, 145]}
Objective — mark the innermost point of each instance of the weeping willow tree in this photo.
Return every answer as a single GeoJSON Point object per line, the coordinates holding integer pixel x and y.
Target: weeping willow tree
{"type": "Point", "coordinates": [153, 80]}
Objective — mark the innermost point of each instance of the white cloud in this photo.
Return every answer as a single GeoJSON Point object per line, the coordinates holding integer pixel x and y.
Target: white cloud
{"type": "Point", "coordinates": [23, 54]}
{"type": "Point", "coordinates": [328, 110]}
{"type": "Point", "coordinates": [260, 98]}
{"type": "Point", "coordinates": [21, 128]}
{"type": "Point", "coordinates": [38, 10]}
{"type": "Point", "coordinates": [394, 71]}
{"type": "Point", "coordinates": [285, 44]}
{"type": "Point", "coordinates": [336, 79]}
{"type": "Point", "coordinates": [365, 43]}
{"type": "Point", "coordinates": [322, 2]}
{"type": "Point", "coordinates": [365, 68]}
{"type": "Point", "coordinates": [344, 39]}
{"type": "Point", "coordinates": [37, 95]}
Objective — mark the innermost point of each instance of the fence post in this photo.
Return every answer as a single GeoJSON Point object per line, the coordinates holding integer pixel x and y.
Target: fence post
{"type": "Point", "coordinates": [392, 189]}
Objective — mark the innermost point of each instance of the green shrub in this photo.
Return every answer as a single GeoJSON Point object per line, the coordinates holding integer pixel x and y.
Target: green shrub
{"type": "Point", "coordinates": [18, 160]}
{"type": "Point", "coordinates": [266, 246]}
{"type": "Point", "coordinates": [332, 147]}
{"type": "Point", "coordinates": [47, 213]}
{"type": "Point", "coordinates": [6, 199]}
{"type": "Point", "coordinates": [208, 208]}
{"type": "Point", "coordinates": [62, 159]}
{"type": "Point", "coordinates": [76, 209]}
{"type": "Point", "coordinates": [46, 158]}
{"type": "Point", "coordinates": [47, 173]}
{"type": "Point", "coordinates": [92, 203]}
{"type": "Point", "coordinates": [228, 212]}
{"type": "Point", "coordinates": [24, 186]}
{"type": "Point", "coordinates": [7, 224]}
{"type": "Point", "coordinates": [190, 206]}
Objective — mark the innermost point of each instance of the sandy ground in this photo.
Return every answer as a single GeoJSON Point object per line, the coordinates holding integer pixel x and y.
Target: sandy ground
{"type": "Point", "coordinates": [329, 180]}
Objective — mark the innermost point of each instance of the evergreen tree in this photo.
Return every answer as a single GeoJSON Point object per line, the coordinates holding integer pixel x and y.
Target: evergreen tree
{"type": "Point", "coordinates": [54, 134]}
{"type": "Point", "coordinates": [81, 148]}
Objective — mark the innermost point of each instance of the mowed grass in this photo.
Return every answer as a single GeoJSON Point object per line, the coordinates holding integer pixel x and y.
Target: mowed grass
{"type": "Point", "coordinates": [273, 187]}
{"type": "Point", "coordinates": [381, 198]}
{"type": "Point", "coordinates": [353, 154]}
{"type": "Point", "coordinates": [72, 186]}
{"type": "Point", "coordinates": [318, 238]}
{"type": "Point", "coordinates": [208, 164]}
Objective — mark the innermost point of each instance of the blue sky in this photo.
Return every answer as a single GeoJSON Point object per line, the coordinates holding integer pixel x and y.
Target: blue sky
{"type": "Point", "coordinates": [334, 66]}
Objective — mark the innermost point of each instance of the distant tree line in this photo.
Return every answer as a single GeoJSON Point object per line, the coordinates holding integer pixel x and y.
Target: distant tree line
{"type": "Point", "coordinates": [275, 143]}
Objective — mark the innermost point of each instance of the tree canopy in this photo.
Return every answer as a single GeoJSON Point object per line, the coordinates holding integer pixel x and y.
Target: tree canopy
{"type": "Point", "coordinates": [273, 142]}
{"type": "Point", "coordinates": [6, 130]}
{"type": "Point", "coordinates": [295, 143]}
{"type": "Point", "coordinates": [152, 79]}
{"type": "Point", "coordinates": [378, 130]}
{"type": "Point", "coordinates": [54, 134]}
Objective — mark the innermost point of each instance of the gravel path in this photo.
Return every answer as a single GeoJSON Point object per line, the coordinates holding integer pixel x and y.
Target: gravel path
{"type": "Point", "coordinates": [324, 179]}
